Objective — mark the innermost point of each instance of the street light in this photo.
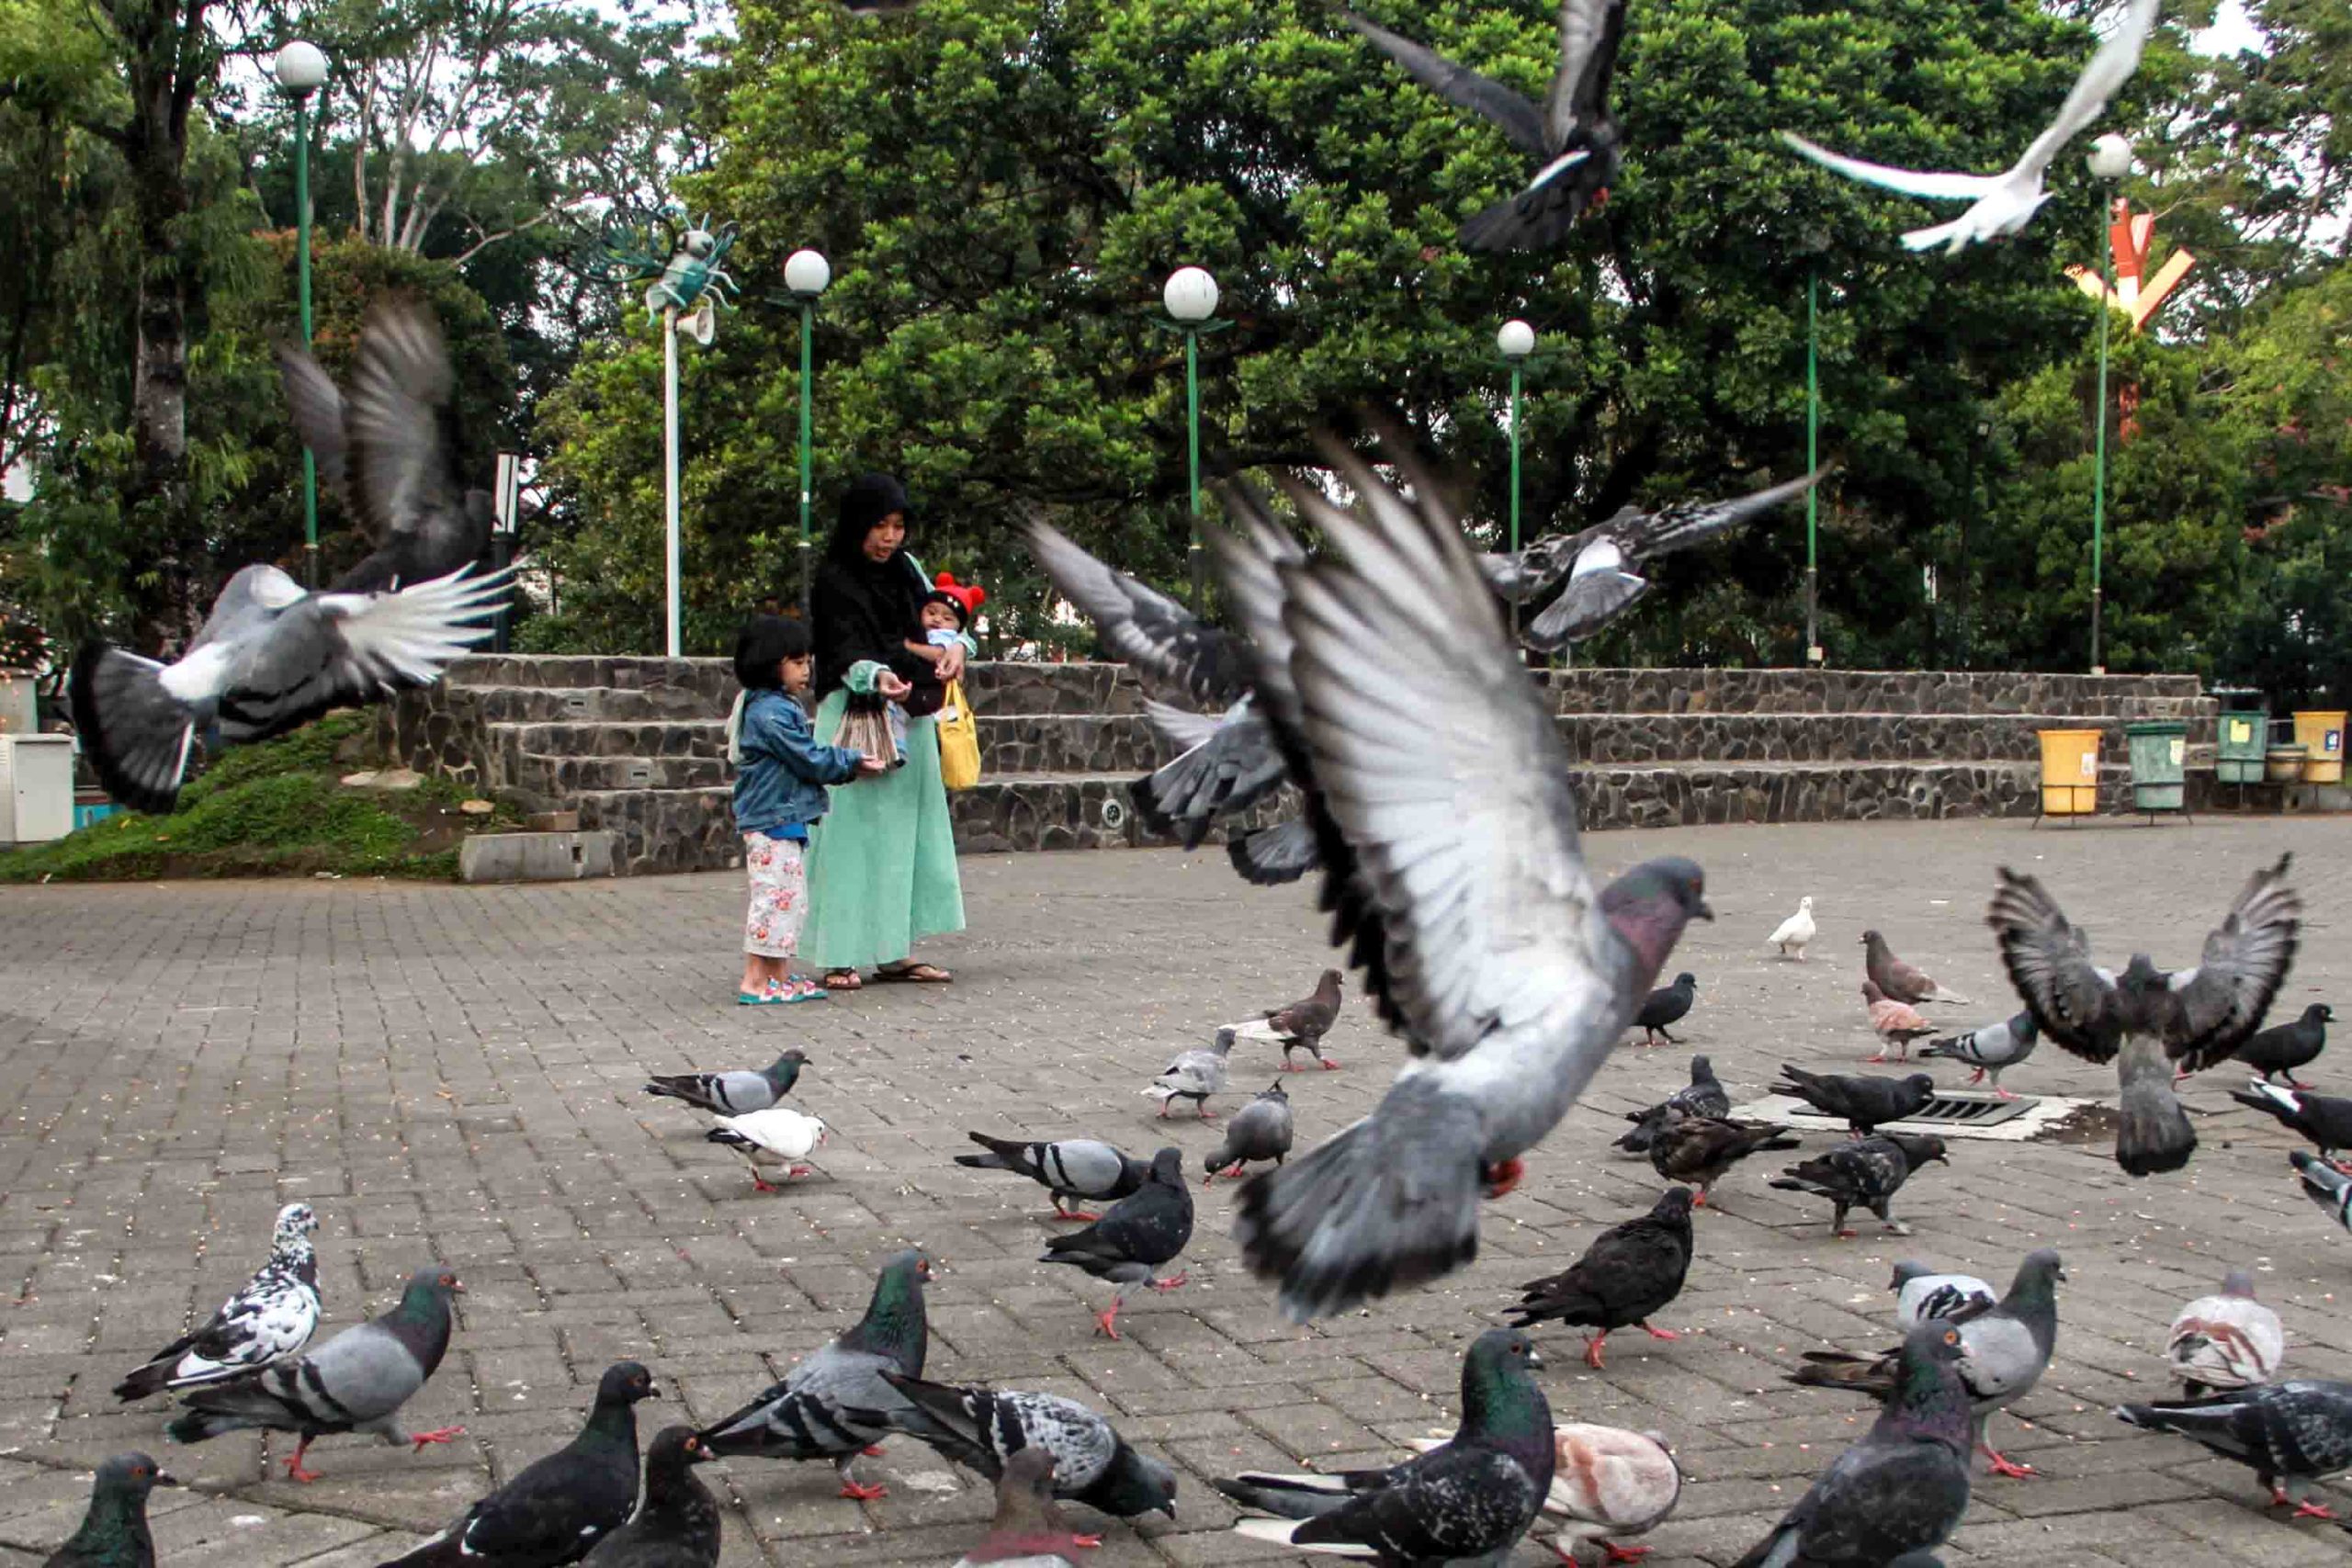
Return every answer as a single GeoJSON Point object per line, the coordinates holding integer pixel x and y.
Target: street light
{"type": "Point", "coordinates": [302, 70]}
{"type": "Point", "coordinates": [806, 274]}
{"type": "Point", "coordinates": [1190, 298]}
{"type": "Point", "coordinates": [2108, 160]}
{"type": "Point", "coordinates": [1815, 242]}
{"type": "Point", "coordinates": [1515, 341]}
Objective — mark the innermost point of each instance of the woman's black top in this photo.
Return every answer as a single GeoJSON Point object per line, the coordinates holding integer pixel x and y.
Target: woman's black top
{"type": "Point", "coordinates": [865, 609]}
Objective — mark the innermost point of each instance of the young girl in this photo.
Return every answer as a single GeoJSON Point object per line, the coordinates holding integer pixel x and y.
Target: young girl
{"type": "Point", "coordinates": [780, 779]}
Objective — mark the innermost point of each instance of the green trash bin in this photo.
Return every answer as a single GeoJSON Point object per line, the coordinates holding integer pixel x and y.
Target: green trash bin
{"type": "Point", "coordinates": [2159, 774]}
{"type": "Point", "coordinates": [2243, 738]}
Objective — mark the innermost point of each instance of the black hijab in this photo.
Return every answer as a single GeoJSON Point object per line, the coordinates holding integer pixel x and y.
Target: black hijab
{"type": "Point", "coordinates": [865, 609]}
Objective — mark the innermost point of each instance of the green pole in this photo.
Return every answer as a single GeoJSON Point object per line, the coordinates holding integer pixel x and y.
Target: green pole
{"type": "Point", "coordinates": [1812, 461]}
{"type": "Point", "coordinates": [2099, 460]}
{"type": "Point", "coordinates": [302, 291]}
{"type": "Point", "coordinates": [1192, 431]}
{"type": "Point", "coordinates": [1515, 371]}
{"type": "Point", "coordinates": [807, 560]}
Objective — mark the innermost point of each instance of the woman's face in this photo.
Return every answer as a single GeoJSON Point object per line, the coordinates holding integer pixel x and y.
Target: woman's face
{"type": "Point", "coordinates": [882, 540]}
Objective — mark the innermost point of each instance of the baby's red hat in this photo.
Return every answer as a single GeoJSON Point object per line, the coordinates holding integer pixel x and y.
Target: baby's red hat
{"type": "Point", "coordinates": [965, 597]}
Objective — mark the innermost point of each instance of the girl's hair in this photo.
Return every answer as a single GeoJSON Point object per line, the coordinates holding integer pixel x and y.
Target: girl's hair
{"type": "Point", "coordinates": [766, 642]}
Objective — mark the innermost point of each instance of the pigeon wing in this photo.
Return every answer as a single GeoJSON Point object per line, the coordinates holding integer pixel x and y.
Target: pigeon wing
{"type": "Point", "coordinates": [1590, 33]}
{"type": "Point", "coordinates": [2220, 1003]}
{"type": "Point", "coordinates": [1911, 182]}
{"type": "Point", "coordinates": [315, 406]}
{"type": "Point", "coordinates": [1519, 120]}
{"type": "Point", "coordinates": [2109, 67]}
{"type": "Point", "coordinates": [2048, 962]}
{"type": "Point", "coordinates": [1685, 524]}
{"type": "Point", "coordinates": [1141, 625]}
{"type": "Point", "coordinates": [402, 467]}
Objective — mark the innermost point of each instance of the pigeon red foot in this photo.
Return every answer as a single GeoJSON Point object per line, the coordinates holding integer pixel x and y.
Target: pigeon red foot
{"type": "Point", "coordinates": [1592, 1350]}
{"type": "Point", "coordinates": [294, 1470]}
{"type": "Point", "coordinates": [1504, 1179]}
{"type": "Point", "coordinates": [1996, 1464]}
{"type": "Point", "coordinates": [438, 1435]}
{"type": "Point", "coordinates": [1661, 1333]}
{"type": "Point", "coordinates": [1082, 1216]}
{"type": "Point", "coordinates": [872, 1450]}
{"type": "Point", "coordinates": [862, 1492]}
{"type": "Point", "coordinates": [1619, 1553]}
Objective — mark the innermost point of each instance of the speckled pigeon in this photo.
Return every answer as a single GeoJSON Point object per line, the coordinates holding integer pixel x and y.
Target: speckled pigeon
{"type": "Point", "coordinates": [114, 1532]}
{"type": "Point", "coordinates": [1068, 1167]}
{"type": "Point", "coordinates": [2289, 1434]}
{"type": "Point", "coordinates": [676, 1525]}
{"type": "Point", "coordinates": [1922, 1292]}
{"type": "Point", "coordinates": [1702, 1150]}
{"type": "Point", "coordinates": [734, 1093]}
{"type": "Point", "coordinates": [1863, 1100]}
{"type": "Point", "coordinates": [270, 1319]}
{"type": "Point", "coordinates": [1028, 1530]}
{"type": "Point", "coordinates": [1630, 1271]}
{"type": "Point", "coordinates": [1703, 1096]}
{"type": "Point", "coordinates": [1863, 1174]}
{"type": "Point", "coordinates": [987, 1428]}
{"type": "Point", "coordinates": [2325, 1186]}
{"type": "Point", "coordinates": [2228, 1340]}
{"type": "Point", "coordinates": [2283, 1047]}
{"type": "Point", "coordinates": [1260, 1130]}
{"type": "Point", "coordinates": [1133, 1238]}
{"type": "Point", "coordinates": [1992, 1049]}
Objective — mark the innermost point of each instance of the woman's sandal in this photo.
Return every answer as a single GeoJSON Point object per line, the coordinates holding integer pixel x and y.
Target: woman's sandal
{"type": "Point", "coordinates": [843, 980]}
{"type": "Point", "coordinates": [911, 972]}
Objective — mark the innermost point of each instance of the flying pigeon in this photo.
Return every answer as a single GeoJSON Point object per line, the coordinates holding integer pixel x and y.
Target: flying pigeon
{"type": "Point", "coordinates": [1195, 1075]}
{"type": "Point", "coordinates": [2283, 1047]}
{"type": "Point", "coordinates": [2326, 1185]}
{"type": "Point", "coordinates": [2325, 1119]}
{"type": "Point", "coordinates": [1791, 935]}
{"type": "Point", "coordinates": [1921, 1294]}
{"type": "Point", "coordinates": [1301, 1025]}
{"type": "Point", "coordinates": [1260, 1130]}
{"type": "Point", "coordinates": [1664, 1006]}
{"type": "Point", "coordinates": [2001, 203]}
{"type": "Point", "coordinates": [1465, 1498]}
{"type": "Point", "coordinates": [1572, 134]}
{"type": "Point", "coordinates": [1865, 1101]}
{"type": "Point", "coordinates": [1607, 1483]}
{"type": "Point", "coordinates": [1896, 1023]}
{"type": "Point", "coordinates": [1902, 1489]}
{"type": "Point", "coordinates": [1028, 1530]}
{"type": "Point", "coordinates": [1630, 1271]}
{"type": "Point", "coordinates": [1704, 1096]}
{"type": "Point", "coordinates": [2289, 1434]}
{"type": "Point", "coordinates": [1510, 974]}
{"type": "Point", "coordinates": [987, 1430]}
{"type": "Point", "coordinates": [1899, 981]}
{"type": "Point", "coordinates": [558, 1507]}
{"type": "Point", "coordinates": [734, 1093]}
{"type": "Point", "coordinates": [1068, 1169]}
{"type": "Point", "coordinates": [2004, 1350]}
{"type": "Point", "coordinates": [2226, 1341]}
{"type": "Point", "coordinates": [270, 1319]}
{"type": "Point", "coordinates": [1224, 765]}
{"type": "Point", "coordinates": [2196, 1017]}
{"type": "Point", "coordinates": [1275, 856]}
{"type": "Point", "coordinates": [357, 1381]}
{"type": "Point", "coordinates": [1992, 1049]}
{"type": "Point", "coordinates": [1701, 1150]}
{"type": "Point", "coordinates": [1605, 563]}
{"type": "Point", "coordinates": [1864, 1174]}
{"type": "Point", "coordinates": [806, 1416]}
{"type": "Point", "coordinates": [114, 1532]}
{"type": "Point", "coordinates": [676, 1526]}
{"type": "Point", "coordinates": [778, 1136]}
{"type": "Point", "coordinates": [1133, 1238]}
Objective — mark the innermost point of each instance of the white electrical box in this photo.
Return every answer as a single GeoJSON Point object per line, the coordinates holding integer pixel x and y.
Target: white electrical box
{"type": "Point", "coordinates": [36, 788]}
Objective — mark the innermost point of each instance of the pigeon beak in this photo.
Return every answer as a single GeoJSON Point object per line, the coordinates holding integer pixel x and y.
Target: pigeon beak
{"type": "Point", "coordinates": [1534, 1361]}
{"type": "Point", "coordinates": [1168, 1508]}
{"type": "Point", "coordinates": [165, 1478]}
{"type": "Point", "coordinates": [1704, 911]}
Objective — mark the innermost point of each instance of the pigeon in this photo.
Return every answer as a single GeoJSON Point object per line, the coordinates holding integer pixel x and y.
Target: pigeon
{"type": "Point", "coordinates": [2325, 1119]}
{"type": "Point", "coordinates": [1921, 1294]}
{"type": "Point", "coordinates": [2196, 1017]}
{"type": "Point", "coordinates": [805, 1416]}
{"type": "Point", "coordinates": [1667, 1005]}
{"type": "Point", "coordinates": [1902, 1489]}
{"type": "Point", "coordinates": [778, 1136]}
{"type": "Point", "coordinates": [1224, 763]}
{"type": "Point", "coordinates": [1260, 1130]}
{"type": "Point", "coordinates": [1604, 562]}
{"type": "Point", "coordinates": [1301, 1025]}
{"type": "Point", "coordinates": [1865, 1101]}
{"type": "Point", "coordinates": [1863, 1175]}
{"type": "Point", "coordinates": [1701, 1149]}
{"type": "Point", "coordinates": [2289, 1434]}
{"type": "Point", "coordinates": [114, 1532]}
{"type": "Point", "coordinates": [676, 1526]}
{"type": "Point", "coordinates": [1510, 974]}
{"type": "Point", "coordinates": [1275, 856]}
{"type": "Point", "coordinates": [1068, 1167]}
{"type": "Point", "coordinates": [2326, 1185]}
{"type": "Point", "coordinates": [734, 1093]}
{"type": "Point", "coordinates": [558, 1507]}
{"type": "Point", "coordinates": [1988, 1050]}
{"type": "Point", "coordinates": [1793, 935]}
{"type": "Point", "coordinates": [1704, 1096]}
{"type": "Point", "coordinates": [1607, 1482]}
{"type": "Point", "coordinates": [270, 1319]}
{"type": "Point", "coordinates": [2226, 1341]}
{"type": "Point", "coordinates": [1133, 1238]}
{"type": "Point", "coordinates": [357, 1381]}
{"type": "Point", "coordinates": [1473, 1496]}
{"type": "Point", "coordinates": [2284, 1047]}
{"type": "Point", "coordinates": [1028, 1530]}
{"type": "Point", "coordinates": [988, 1430]}
{"type": "Point", "coordinates": [1630, 1271]}
{"type": "Point", "coordinates": [1899, 981]}
{"type": "Point", "coordinates": [2003, 204]}
{"type": "Point", "coordinates": [2004, 1350]}
{"type": "Point", "coordinates": [1194, 1076]}
{"type": "Point", "coordinates": [1897, 1023]}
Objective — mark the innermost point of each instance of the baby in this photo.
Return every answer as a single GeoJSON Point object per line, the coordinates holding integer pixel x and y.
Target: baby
{"type": "Point", "coordinates": [944, 617]}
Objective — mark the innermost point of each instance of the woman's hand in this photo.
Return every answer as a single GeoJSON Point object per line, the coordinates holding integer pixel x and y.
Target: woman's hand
{"type": "Point", "coordinates": [869, 766]}
{"type": "Point", "coordinates": [951, 662]}
{"type": "Point", "coordinates": [892, 685]}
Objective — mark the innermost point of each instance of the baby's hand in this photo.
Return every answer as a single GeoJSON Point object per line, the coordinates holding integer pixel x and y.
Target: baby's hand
{"type": "Point", "coordinates": [869, 766]}
{"type": "Point", "coordinates": [892, 685]}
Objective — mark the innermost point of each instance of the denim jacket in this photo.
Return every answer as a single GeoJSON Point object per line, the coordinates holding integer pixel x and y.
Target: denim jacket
{"type": "Point", "coordinates": [782, 778]}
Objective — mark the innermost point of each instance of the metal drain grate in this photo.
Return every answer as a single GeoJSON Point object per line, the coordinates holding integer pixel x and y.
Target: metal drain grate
{"type": "Point", "coordinates": [1951, 1110]}
{"type": "Point", "coordinates": [1953, 1115]}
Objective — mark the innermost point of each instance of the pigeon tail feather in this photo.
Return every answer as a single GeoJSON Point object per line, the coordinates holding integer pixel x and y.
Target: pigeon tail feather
{"type": "Point", "coordinates": [136, 733]}
{"type": "Point", "coordinates": [1276, 856]}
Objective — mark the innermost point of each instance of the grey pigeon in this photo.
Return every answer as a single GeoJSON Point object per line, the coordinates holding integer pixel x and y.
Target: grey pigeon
{"type": "Point", "coordinates": [1921, 1293]}
{"type": "Point", "coordinates": [1571, 135]}
{"type": "Point", "coordinates": [1260, 1130]}
{"type": "Point", "coordinates": [1223, 766]}
{"type": "Point", "coordinates": [1702, 1150]}
{"type": "Point", "coordinates": [676, 1525]}
{"type": "Point", "coordinates": [1511, 975]}
{"type": "Point", "coordinates": [737, 1092]}
{"type": "Point", "coordinates": [1028, 1530]}
{"type": "Point", "coordinates": [1899, 1491]}
{"type": "Point", "coordinates": [1133, 1238]}
{"type": "Point", "coordinates": [988, 1430]}
{"type": "Point", "coordinates": [2283, 1047]}
{"type": "Point", "coordinates": [1630, 1271]}
{"type": "Point", "coordinates": [2325, 1186]}
{"type": "Point", "coordinates": [1141, 626]}
{"type": "Point", "coordinates": [1900, 981]}
{"type": "Point", "coordinates": [1275, 856]}
{"type": "Point", "coordinates": [2226, 1340]}
{"type": "Point", "coordinates": [1864, 1174]}
{"type": "Point", "coordinates": [114, 1532]}
{"type": "Point", "coordinates": [1469, 1497]}
{"type": "Point", "coordinates": [1667, 1005]}
{"type": "Point", "coordinates": [357, 1381]}
{"type": "Point", "coordinates": [1863, 1100]}
{"type": "Point", "coordinates": [805, 1416]}
{"type": "Point", "coordinates": [1704, 1096]}
{"type": "Point", "coordinates": [1194, 1076]}
{"type": "Point", "coordinates": [558, 1507]}
{"type": "Point", "coordinates": [2005, 1348]}
{"type": "Point", "coordinates": [1989, 1050]}
{"type": "Point", "coordinates": [2289, 1434]}
{"type": "Point", "coordinates": [2325, 1119]}
{"type": "Point", "coordinates": [270, 1319]}
{"type": "Point", "coordinates": [1303, 1025]}
{"type": "Point", "coordinates": [1068, 1167]}
{"type": "Point", "coordinates": [2140, 1018]}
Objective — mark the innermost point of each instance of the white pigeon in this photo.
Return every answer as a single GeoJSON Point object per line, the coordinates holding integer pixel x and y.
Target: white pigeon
{"type": "Point", "coordinates": [1194, 1076]}
{"type": "Point", "coordinates": [2230, 1340]}
{"type": "Point", "coordinates": [267, 1321]}
{"type": "Point", "coordinates": [2003, 204]}
{"type": "Point", "coordinates": [1921, 1294]}
{"type": "Point", "coordinates": [778, 1137]}
{"type": "Point", "coordinates": [1793, 933]}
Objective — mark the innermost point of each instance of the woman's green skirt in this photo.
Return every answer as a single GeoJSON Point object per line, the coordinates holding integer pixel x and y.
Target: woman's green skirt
{"type": "Point", "coordinates": [882, 863]}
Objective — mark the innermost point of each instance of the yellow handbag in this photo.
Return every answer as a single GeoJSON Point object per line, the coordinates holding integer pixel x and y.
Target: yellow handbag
{"type": "Point", "coordinates": [959, 740]}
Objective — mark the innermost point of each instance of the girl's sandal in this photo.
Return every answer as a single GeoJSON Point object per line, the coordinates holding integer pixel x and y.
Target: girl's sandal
{"type": "Point", "coordinates": [799, 988]}
{"type": "Point", "coordinates": [843, 980]}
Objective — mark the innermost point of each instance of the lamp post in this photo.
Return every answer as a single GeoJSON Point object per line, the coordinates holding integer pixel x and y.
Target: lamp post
{"type": "Point", "coordinates": [806, 274]}
{"type": "Point", "coordinates": [1815, 242]}
{"type": "Point", "coordinates": [1190, 298]}
{"type": "Point", "coordinates": [2109, 160]}
{"type": "Point", "coordinates": [1515, 341]}
{"type": "Point", "coordinates": [302, 70]}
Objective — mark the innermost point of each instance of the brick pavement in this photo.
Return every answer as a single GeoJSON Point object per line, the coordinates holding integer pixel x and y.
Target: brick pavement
{"type": "Point", "coordinates": [451, 1073]}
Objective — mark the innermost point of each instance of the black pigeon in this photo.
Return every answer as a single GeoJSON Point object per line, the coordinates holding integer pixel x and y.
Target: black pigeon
{"type": "Point", "coordinates": [1902, 1489]}
{"type": "Point", "coordinates": [987, 1429]}
{"type": "Point", "coordinates": [1704, 1096]}
{"type": "Point", "coordinates": [733, 1093]}
{"type": "Point", "coordinates": [1137, 1234]}
{"type": "Point", "coordinates": [1473, 1496]}
{"type": "Point", "coordinates": [1864, 1100]}
{"type": "Point", "coordinates": [1701, 1149]}
{"type": "Point", "coordinates": [1069, 1169]}
{"type": "Point", "coordinates": [2283, 1047]}
{"type": "Point", "coordinates": [1571, 134]}
{"type": "Point", "coordinates": [2289, 1434]}
{"type": "Point", "coordinates": [557, 1508]}
{"type": "Point", "coordinates": [676, 1526]}
{"type": "Point", "coordinates": [1664, 1006]}
{"type": "Point", "coordinates": [1865, 1174]}
{"type": "Point", "coordinates": [1630, 1271]}
{"type": "Point", "coordinates": [1260, 1130]}
{"type": "Point", "coordinates": [114, 1533]}
{"type": "Point", "coordinates": [2325, 1119]}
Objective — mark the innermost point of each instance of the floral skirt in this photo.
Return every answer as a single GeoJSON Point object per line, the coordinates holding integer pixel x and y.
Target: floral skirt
{"type": "Point", "coordinates": [779, 896]}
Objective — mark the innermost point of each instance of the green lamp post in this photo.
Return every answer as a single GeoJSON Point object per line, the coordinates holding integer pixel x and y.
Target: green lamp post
{"type": "Point", "coordinates": [1515, 341]}
{"type": "Point", "coordinates": [302, 70]}
{"type": "Point", "coordinates": [2109, 160]}
{"type": "Point", "coordinates": [1815, 242]}
{"type": "Point", "coordinates": [807, 273]}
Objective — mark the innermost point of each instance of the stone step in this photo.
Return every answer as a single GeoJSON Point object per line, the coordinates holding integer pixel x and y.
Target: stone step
{"type": "Point", "coordinates": [560, 778]}
{"type": "Point", "coordinates": [666, 830]}
{"type": "Point", "coordinates": [614, 737]}
{"type": "Point", "coordinates": [589, 704]}
{"type": "Point", "coordinates": [1863, 691]}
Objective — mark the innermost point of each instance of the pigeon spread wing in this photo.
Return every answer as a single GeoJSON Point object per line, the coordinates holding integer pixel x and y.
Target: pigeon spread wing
{"type": "Point", "coordinates": [316, 408]}
{"type": "Point", "coordinates": [1685, 524]}
{"type": "Point", "coordinates": [1519, 120]}
{"type": "Point", "coordinates": [2049, 960]}
{"type": "Point", "coordinates": [1141, 625]}
{"type": "Point", "coordinates": [1911, 182]}
{"type": "Point", "coordinates": [2110, 68]}
{"type": "Point", "coordinates": [2219, 1004]}
{"type": "Point", "coordinates": [1590, 33]}
{"type": "Point", "coordinates": [401, 462]}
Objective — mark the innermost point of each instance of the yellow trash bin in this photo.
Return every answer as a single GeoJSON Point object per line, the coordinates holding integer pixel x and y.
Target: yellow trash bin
{"type": "Point", "coordinates": [2069, 772]}
{"type": "Point", "coordinates": [2322, 734]}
